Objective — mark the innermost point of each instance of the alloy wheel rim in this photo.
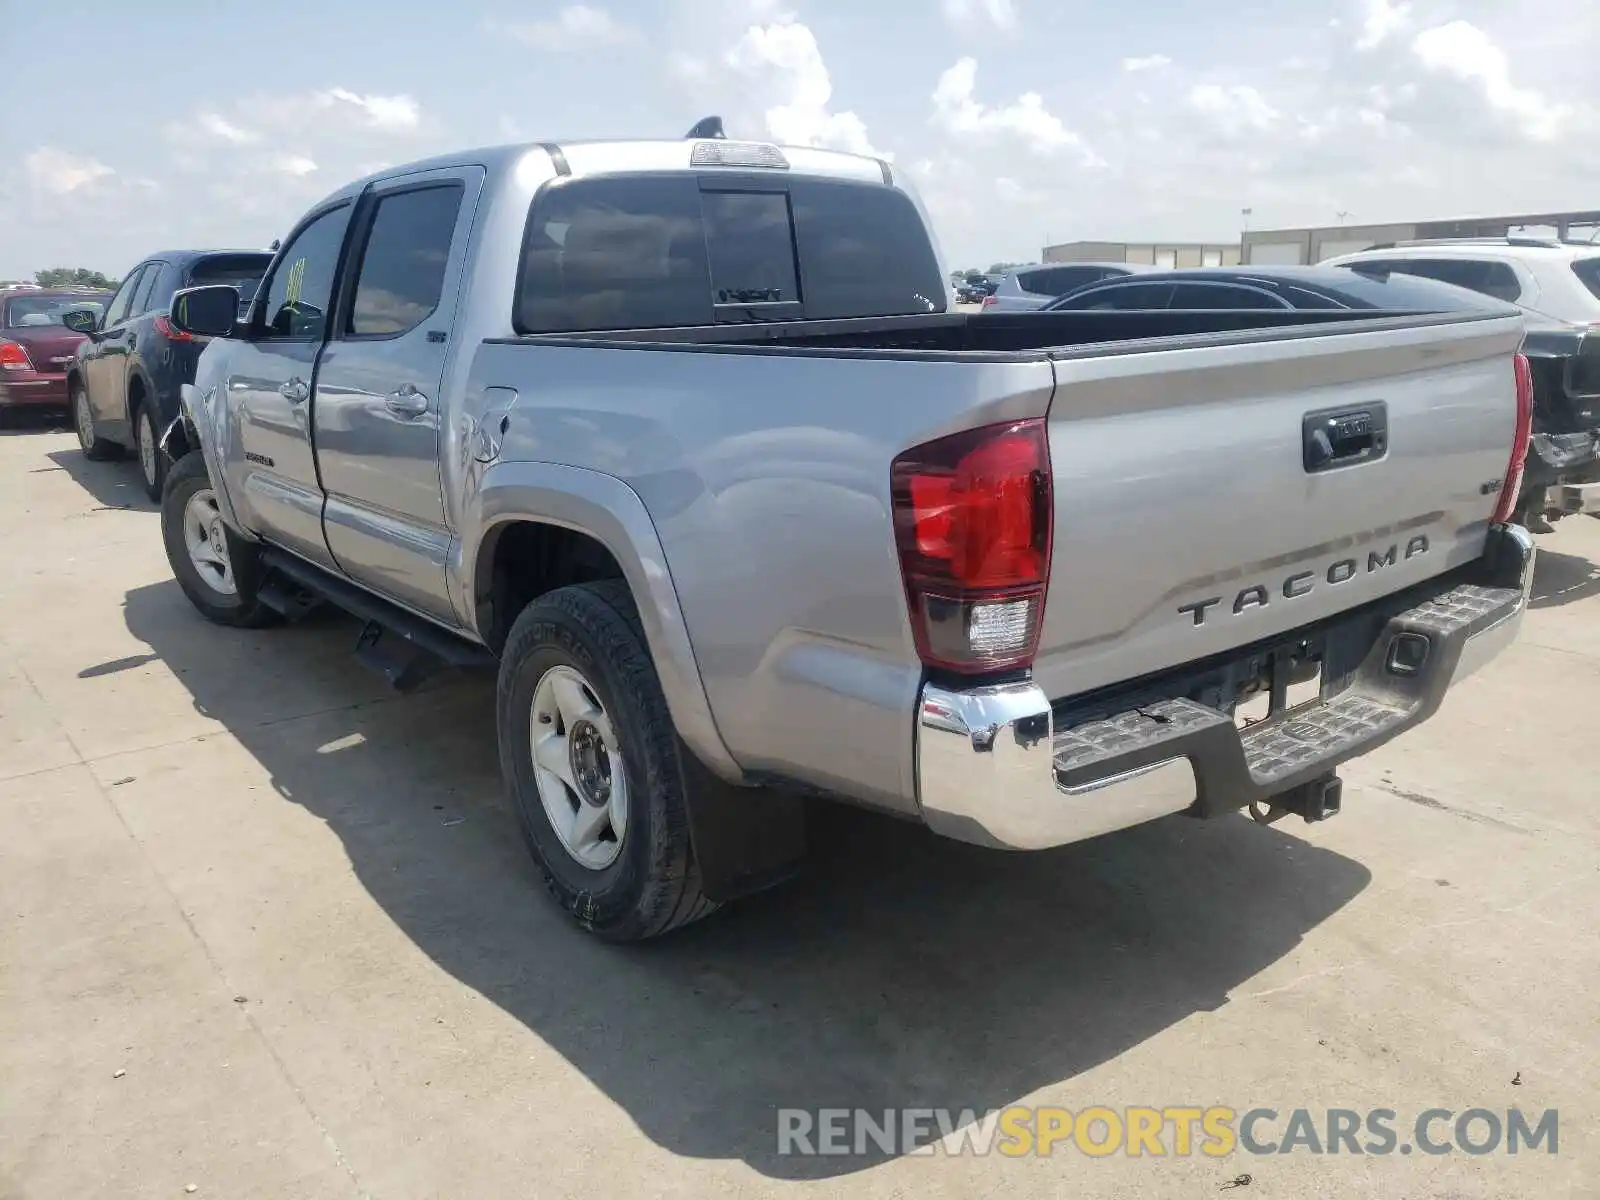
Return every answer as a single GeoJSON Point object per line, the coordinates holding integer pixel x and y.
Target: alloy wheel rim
{"type": "Point", "coordinates": [206, 540]}
{"type": "Point", "coordinates": [578, 770]}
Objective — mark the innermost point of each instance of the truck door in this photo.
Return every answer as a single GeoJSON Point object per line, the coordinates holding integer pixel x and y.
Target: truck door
{"type": "Point", "coordinates": [270, 465]}
{"type": "Point", "coordinates": [377, 409]}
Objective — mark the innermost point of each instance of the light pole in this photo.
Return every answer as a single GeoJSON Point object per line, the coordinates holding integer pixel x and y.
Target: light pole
{"type": "Point", "coordinates": [1343, 216]}
{"type": "Point", "coordinates": [1244, 233]}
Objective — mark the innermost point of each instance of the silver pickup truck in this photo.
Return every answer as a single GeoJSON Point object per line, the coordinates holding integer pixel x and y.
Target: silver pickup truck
{"type": "Point", "coordinates": [683, 437]}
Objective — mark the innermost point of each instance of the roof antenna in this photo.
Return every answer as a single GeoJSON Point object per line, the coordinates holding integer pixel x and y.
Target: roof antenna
{"type": "Point", "coordinates": [710, 127]}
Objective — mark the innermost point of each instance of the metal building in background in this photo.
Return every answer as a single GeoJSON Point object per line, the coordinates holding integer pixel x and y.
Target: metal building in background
{"type": "Point", "coordinates": [1159, 254]}
{"type": "Point", "coordinates": [1287, 247]}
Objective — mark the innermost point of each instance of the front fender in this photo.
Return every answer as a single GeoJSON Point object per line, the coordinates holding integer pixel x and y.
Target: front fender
{"type": "Point", "coordinates": [608, 510]}
{"type": "Point", "coordinates": [196, 428]}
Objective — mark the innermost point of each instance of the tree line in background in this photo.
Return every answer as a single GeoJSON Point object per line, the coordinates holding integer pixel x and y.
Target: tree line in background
{"type": "Point", "coordinates": [73, 277]}
{"type": "Point", "coordinates": [66, 277]}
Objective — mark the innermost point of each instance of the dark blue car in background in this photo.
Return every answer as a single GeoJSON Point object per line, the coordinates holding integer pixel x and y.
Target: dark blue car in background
{"type": "Point", "coordinates": [123, 385]}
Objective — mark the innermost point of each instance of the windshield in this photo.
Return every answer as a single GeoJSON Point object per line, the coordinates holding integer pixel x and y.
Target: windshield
{"type": "Point", "coordinates": [26, 312]}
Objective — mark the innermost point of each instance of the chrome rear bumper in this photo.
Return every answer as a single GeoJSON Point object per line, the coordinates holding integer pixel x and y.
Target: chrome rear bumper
{"type": "Point", "coordinates": [1001, 766]}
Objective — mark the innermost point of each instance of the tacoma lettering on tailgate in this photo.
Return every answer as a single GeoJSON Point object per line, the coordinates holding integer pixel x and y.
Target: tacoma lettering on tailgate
{"type": "Point", "coordinates": [1303, 583]}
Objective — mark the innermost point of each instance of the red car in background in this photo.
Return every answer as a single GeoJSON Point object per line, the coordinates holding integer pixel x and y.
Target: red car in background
{"type": "Point", "coordinates": [36, 348]}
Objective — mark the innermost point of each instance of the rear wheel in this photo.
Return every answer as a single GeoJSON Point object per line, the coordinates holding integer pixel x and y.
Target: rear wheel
{"type": "Point", "coordinates": [219, 571]}
{"type": "Point", "coordinates": [589, 756]}
{"type": "Point", "coordinates": [95, 447]}
{"type": "Point", "coordinates": [152, 459]}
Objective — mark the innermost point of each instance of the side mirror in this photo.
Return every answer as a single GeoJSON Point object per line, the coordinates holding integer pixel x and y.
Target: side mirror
{"type": "Point", "coordinates": [211, 311]}
{"type": "Point", "coordinates": [81, 320]}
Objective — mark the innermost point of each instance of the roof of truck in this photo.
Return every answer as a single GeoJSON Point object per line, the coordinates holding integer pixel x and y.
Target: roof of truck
{"type": "Point", "coordinates": [602, 155]}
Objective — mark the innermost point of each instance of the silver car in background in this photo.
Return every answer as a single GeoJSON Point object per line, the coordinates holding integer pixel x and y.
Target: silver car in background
{"type": "Point", "coordinates": [1023, 289]}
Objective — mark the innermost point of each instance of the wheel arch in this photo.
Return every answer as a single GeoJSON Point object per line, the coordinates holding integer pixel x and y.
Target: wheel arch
{"type": "Point", "coordinates": [587, 526]}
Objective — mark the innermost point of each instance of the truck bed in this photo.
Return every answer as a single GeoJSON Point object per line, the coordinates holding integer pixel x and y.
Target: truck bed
{"type": "Point", "coordinates": [1012, 336]}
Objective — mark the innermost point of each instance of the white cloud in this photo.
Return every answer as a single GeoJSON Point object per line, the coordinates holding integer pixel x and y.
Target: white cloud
{"type": "Point", "coordinates": [1148, 62]}
{"type": "Point", "coordinates": [1012, 192]}
{"type": "Point", "coordinates": [574, 25]}
{"type": "Point", "coordinates": [224, 130]}
{"type": "Point", "coordinates": [784, 60]}
{"type": "Point", "coordinates": [1382, 19]}
{"type": "Point", "coordinates": [59, 173]}
{"type": "Point", "coordinates": [1234, 110]}
{"type": "Point", "coordinates": [293, 164]}
{"type": "Point", "coordinates": [391, 114]}
{"type": "Point", "coordinates": [1463, 51]}
{"type": "Point", "coordinates": [958, 112]}
{"type": "Point", "coordinates": [970, 14]}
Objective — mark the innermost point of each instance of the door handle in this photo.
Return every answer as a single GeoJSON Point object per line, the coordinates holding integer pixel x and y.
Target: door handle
{"type": "Point", "coordinates": [406, 401]}
{"type": "Point", "coordinates": [294, 390]}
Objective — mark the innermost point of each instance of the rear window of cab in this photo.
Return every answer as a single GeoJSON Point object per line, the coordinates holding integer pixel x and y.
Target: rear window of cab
{"type": "Point", "coordinates": [662, 251]}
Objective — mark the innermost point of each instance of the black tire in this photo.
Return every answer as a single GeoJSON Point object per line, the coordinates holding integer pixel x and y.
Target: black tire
{"type": "Point", "coordinates": [95, 447]}
{"type": "Point", "coordinates": [144, 427]}
{"type": "Point", "coordinates": [653, 885]}
{"type": "Point", "coordinates": [242, 608]}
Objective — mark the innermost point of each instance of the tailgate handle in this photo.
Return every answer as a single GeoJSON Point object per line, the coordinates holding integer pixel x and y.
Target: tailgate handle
{"type": "Point", "coordinates": [1343, 437]}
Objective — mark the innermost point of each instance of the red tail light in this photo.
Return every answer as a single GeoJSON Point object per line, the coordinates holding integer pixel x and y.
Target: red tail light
{"type": "Point", "coordinates": [1512, 486]}
{"type": "Point", "coordinates": [989, 302]}
{"type": "Point", "coordinates": [972, 516]}
{"type": "Point", "coordinates": [170, 331]}
{"type": "Point", "coordinates": [14, 357]}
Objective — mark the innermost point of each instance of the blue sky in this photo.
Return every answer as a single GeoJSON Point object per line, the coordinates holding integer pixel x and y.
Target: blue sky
{"type": "Point", "coordinates": [161, 124]}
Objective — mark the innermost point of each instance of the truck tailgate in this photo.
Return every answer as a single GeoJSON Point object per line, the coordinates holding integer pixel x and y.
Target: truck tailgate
{"type": "Point", "coordinates": [1191, 519]}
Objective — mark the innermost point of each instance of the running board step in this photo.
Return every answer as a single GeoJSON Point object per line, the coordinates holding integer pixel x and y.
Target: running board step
{"type": "Point", "coordinates": [287, 598]}
{"type": "Point", "coordinates": [401, 646]}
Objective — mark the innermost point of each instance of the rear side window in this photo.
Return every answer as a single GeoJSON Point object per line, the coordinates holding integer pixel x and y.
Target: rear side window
{"type": "Point", "coordinates": [1588, 272]}
{"type": "Point", "coordinates": [1058, 281]}
{"type": "Point", "coordinates": [242, 272]}
{"type": "Point", "coordinates": [1491, 278]}
{"type": "Point", "coordinates": [1131, 297]}
{"type": "Point", "coordinates": [1221, 296]}
{"type": "Point", "coordinates": [1397, 284]}
{"type": "Point", "coordinates": [401, 277]}
{"type": "Point", "coordinates": [637, 252]}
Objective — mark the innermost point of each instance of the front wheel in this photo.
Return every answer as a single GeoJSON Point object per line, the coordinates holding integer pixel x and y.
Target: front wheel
{"type": "Point", "coordinates": [589, 756]}
{"type": "Point", "coordinates": [219, 571]}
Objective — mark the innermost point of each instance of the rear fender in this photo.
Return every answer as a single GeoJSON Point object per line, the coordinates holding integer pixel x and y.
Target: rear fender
{"type": "Point", "coordinates": [608, 510]}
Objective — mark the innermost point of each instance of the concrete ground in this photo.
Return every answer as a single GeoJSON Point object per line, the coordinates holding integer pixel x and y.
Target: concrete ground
{"type": "Point", "coordinates": [267, 930]}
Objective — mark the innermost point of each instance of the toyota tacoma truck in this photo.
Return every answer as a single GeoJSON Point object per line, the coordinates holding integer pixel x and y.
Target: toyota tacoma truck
{"type": "Point", "coordinates": [682, 438]}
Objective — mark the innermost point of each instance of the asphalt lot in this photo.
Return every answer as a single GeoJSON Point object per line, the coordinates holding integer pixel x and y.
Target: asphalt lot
{"type": "Point", "coordinates": [268, 931]}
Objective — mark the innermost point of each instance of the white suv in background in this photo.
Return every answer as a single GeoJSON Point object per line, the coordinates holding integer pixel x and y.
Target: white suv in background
{"type": "Point", "coordinates": [1558, 280]}
{"type": "Point", "coordinates": [1558, 285]}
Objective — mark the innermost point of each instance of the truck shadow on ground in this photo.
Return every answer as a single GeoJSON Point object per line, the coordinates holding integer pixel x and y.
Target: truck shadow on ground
{"type": "Point", "coordinates": [113, 484]}
{"type": "Point", "coordinates": [1562, 579]}
{"type": "Point", "coordinates": [900, 970]}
